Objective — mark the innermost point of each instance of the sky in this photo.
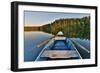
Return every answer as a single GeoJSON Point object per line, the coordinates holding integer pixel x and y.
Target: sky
{"type": "Point", "coordinates": [39, 18]}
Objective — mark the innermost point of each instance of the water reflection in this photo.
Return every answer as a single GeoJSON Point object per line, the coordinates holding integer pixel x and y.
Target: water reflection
{"type": "Point", "coordinates": [32, 39]}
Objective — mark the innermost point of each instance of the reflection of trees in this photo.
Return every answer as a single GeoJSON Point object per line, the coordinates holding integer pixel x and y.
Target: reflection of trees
{"type": "Point", "coordinates": [71, 27]}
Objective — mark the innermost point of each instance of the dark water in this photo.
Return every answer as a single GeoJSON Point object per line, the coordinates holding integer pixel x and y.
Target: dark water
{"type": "Point", "coordinates": [32, 39]}
{"type": "Point", "coordinates": [83, 42]}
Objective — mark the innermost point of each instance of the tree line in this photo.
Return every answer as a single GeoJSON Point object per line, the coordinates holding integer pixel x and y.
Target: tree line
{"type": "Point", "coordinates": [73, 27]}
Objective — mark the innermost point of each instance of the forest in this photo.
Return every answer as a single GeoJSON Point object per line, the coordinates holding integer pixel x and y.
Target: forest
{"type": "Point", "coordinates": [71, 27]}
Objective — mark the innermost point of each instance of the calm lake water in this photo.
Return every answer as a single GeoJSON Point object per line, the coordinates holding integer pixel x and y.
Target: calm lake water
{"type": "Point", "coordinates": [32, 39]}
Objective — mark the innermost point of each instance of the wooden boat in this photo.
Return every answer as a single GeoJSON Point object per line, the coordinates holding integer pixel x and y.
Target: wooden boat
{"type": "Point", "coordinates": [58, 48]}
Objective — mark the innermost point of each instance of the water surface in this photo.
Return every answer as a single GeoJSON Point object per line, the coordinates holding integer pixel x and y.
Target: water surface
{"type": "Point", "coordinates": [32, 39]}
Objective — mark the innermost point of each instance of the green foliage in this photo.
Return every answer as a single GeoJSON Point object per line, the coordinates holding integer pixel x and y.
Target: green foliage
{"type": "Point", "coordinates": [75, 27]}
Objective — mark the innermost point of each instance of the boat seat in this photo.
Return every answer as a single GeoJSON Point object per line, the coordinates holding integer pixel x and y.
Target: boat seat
{"type": "Point", "coordinates": [59, 54]}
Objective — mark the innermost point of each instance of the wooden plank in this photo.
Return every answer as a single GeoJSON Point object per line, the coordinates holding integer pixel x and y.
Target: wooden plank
{"type": "Point", "coordinates": [59, 53]}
